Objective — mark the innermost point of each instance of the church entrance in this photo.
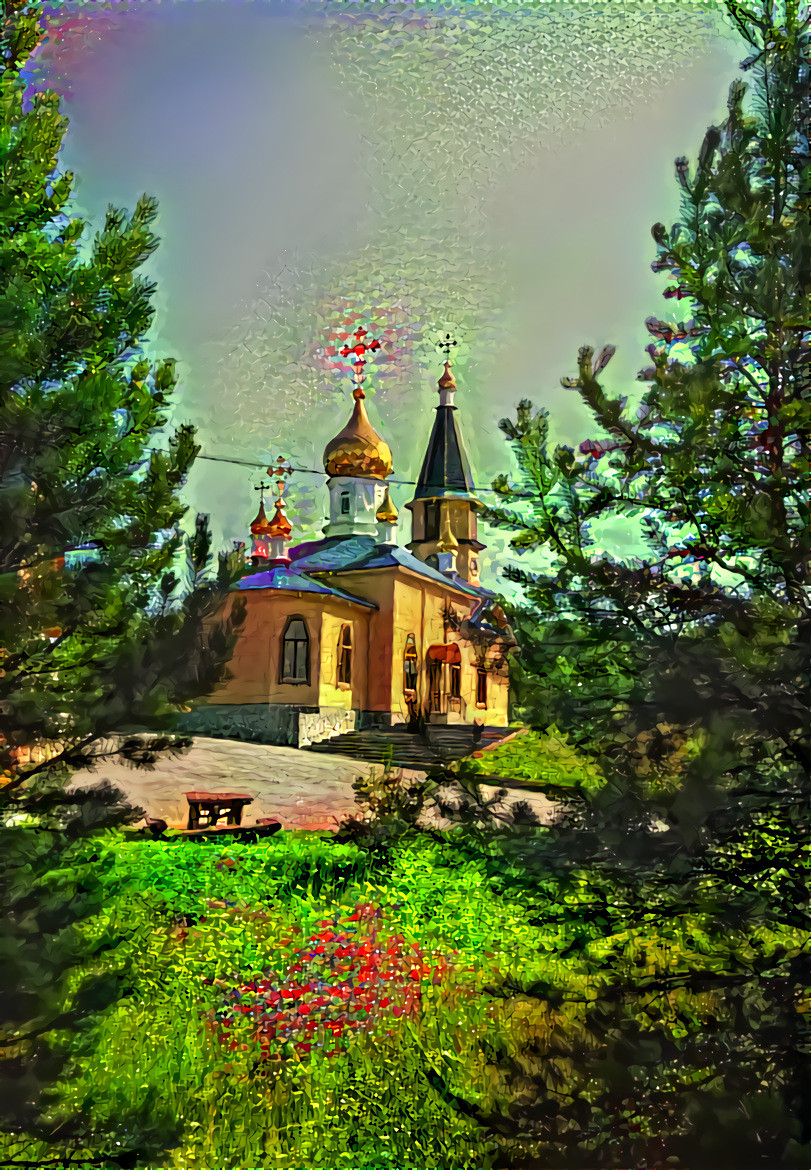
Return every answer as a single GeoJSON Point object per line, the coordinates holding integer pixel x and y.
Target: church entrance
{"type": "Point", "coordinates": [444, 682]}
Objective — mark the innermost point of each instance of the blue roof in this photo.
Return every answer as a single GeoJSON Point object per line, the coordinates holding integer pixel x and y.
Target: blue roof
{"type": "Point", "coordinates": [344, 554]}
{"type": "Point", "coordinates": [293, 581]}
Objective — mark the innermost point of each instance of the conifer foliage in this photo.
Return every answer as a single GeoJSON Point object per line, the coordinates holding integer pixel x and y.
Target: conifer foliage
{"type": "Point", "coordinates": [102, 634]}
{"type": "Point", "coordinates": [682, 885]}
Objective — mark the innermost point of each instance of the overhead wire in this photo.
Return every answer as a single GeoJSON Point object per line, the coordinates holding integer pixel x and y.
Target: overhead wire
{"type": "Point", "coordinates": [310, 470]}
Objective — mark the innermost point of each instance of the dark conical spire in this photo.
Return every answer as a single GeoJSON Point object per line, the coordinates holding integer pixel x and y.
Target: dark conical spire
{"type": "Point", "coordinates": [445, 468]}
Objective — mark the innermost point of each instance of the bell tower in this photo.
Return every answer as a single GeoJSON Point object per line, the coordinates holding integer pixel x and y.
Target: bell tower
{"type": "Point", "coordinates": [444, 510]}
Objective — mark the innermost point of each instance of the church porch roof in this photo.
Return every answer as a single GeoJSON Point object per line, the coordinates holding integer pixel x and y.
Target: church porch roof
{"type": "Point", "coordinates": [290, 580]}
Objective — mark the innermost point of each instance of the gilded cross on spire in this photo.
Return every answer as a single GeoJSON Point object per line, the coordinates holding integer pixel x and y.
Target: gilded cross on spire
{"type": "Point", "coordinates": [359, 349]}
{"type": "Point", "coordinates": [279, 470]}
{"type": "Point", "coordinates": [280, 527]}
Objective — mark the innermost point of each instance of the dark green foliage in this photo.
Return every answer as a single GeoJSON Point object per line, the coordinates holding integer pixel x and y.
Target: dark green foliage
{"type": "Point", "coordinates": [686, 670]}
{"type": "Point", "coordinates": [91, 651]}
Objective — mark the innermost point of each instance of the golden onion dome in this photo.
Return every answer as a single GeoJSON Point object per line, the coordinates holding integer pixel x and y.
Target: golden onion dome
{"type": "Point", "coordinates": [387, 513]}
{"type": "Point", "coordinates": [358, 450]}
{"type": "Point", "coordinates": [260, 525]}
{"type": "Point", "coordinates": [279, 526]}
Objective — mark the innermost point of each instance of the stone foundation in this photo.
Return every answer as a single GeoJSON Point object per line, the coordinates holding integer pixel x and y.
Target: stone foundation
{"type": "Point", "coordinates": [276, 723]}
{"type": "Point", "coordinates": [323, 724]}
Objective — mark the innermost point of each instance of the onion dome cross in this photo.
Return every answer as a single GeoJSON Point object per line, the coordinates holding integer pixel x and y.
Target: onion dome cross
{"type": "Point", "coordinates": [360, 350]}
{"type": "Point", "coordinates": [280, 526]}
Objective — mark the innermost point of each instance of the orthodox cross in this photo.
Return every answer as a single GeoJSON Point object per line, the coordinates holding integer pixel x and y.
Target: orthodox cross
{"type": "Point", "coordinates": [261, 488]}
{"type": "Point", "coordinates": [446, 345]}
{"type": "Point", "coordinates": [279, 471]}
{"type": "Point", "coordinates": [360, 349]}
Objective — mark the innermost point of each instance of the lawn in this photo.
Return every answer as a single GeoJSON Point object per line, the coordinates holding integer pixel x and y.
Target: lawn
{"type": "Point", "coordinates": [538, 758]}
{"type": "Point", "coordinates": [285, 999]}
{"type": "Point", "coordinates": [289, 1002]}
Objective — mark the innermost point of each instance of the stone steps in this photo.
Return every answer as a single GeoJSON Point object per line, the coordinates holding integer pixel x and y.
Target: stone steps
{"type": "Point", "coordinates": [403, 749]}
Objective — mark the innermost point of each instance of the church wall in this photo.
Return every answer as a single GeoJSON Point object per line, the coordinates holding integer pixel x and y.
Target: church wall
{"type": "Point", "coordinates": [419, 609]}
{"type": "Point", "coordinates": [256, 660]}
{"type": "Point", "coordinates": [352, 697]}
{"type": "Point", "coordinates": [377, 587]}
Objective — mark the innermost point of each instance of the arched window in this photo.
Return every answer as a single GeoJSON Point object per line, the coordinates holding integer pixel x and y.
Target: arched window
{"type": "Point", "coordinates": [345, 656]}
{"type": "Point", "coordinates": [410, 664]}
{"type": "Point", "coordinates": [295, 652]}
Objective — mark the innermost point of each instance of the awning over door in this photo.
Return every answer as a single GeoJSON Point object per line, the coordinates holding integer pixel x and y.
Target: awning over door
{"type": "Point", "coordinates": [444, 653]}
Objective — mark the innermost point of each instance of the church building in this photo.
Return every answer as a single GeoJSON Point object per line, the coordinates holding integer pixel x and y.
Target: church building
{"type": "Point", "coordinates": [357, 630]}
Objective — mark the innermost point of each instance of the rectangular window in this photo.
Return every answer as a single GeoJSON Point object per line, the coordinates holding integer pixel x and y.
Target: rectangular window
{"type": "Point", "coordinates": [456, 680]}
{"type": "Point", "coordinates": [345, 656]}
{"type": "Point", "coordinates": [431, 521]}
{"type": "Point", "coordinates": [344, 503]}
{"type": "Point", "coordinates": [481, 687]}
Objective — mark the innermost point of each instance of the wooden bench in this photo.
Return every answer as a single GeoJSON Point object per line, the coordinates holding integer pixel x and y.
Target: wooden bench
{"type": "Point", "coordinates": [206, 809]}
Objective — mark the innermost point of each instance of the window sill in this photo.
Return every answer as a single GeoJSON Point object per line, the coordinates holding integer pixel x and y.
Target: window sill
{"type": "Point", "coordinates": [294, 682]}
{"type": "Point", "coordinates": [341, 686]}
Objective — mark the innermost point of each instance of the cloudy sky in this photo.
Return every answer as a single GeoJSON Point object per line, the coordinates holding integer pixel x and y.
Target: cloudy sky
{"type": "Point", "coordinates": [485, 169]}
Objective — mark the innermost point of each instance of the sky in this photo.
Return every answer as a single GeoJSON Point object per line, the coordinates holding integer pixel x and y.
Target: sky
{"type": "Point", "coordinates": [483, 169]}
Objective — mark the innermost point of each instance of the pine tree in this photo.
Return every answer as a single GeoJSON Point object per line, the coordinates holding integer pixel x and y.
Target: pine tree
{"type": "Point", "coordinates": [107, 611]}
{"type": "Point", "coordinates": [681, 888]}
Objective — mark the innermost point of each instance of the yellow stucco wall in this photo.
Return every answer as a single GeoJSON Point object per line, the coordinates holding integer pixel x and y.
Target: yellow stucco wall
{"type": "Point", "coordinates": [331, 693]}
{"type": "Point", "coordinates": [377, 586]}
{"type": "Point", "coordinates": [407, 604]}
{"type": "Point", "coordinates": [256, 661]}
{"type": "Point", "coordinates": [419, 608]}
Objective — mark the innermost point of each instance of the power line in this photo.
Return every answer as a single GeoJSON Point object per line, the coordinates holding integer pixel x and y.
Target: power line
{"type": "Point", "coordinates": [311, 470]}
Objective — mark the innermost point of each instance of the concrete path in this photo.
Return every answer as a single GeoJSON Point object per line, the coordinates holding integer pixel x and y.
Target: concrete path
{"type": "Point", "coordinates": [301, 789]}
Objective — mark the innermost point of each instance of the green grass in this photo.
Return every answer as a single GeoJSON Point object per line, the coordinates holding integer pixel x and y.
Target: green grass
{"type": "Point", "coordinates": [542, 758]}
{"type": "Point", "coordinates": [248, 909]}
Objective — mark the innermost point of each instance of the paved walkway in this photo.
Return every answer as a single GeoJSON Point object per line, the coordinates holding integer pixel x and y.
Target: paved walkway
{"type": "Point", "coordinates": [301, 789]}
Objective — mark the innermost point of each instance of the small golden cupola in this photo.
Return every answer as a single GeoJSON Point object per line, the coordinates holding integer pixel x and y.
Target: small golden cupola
{"type": "Point", "coordinates": [260, 525]}
{"type": "Point", "coordinates": [270, 537]}
{"type": "Point", "coordinates": [387, 517]}
{"type": "Point", "coordinates": [280, 527]}
{"type": "Point", "coordinates": [260, 531]}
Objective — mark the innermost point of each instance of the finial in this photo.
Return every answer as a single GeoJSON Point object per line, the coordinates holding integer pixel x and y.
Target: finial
{"type": "Point", "coordinates": [446, 345]}
{"type": "Point", "coordinates": [447, 381]}
{"type": "Point", "coordinates": [447, 541]}
{"type": "Point", "coordinates": [279, 527]}
{"type": "Point", "coordinates": [359, 349]}
{"type": "Point", "coordinates": [387, 513]}
{"type": "Point", "coordinates": [262, 487]}
{"type": "Point", "coordinates": [447, 384]}
{"type": "Point", "coordinates": [281, 467]}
